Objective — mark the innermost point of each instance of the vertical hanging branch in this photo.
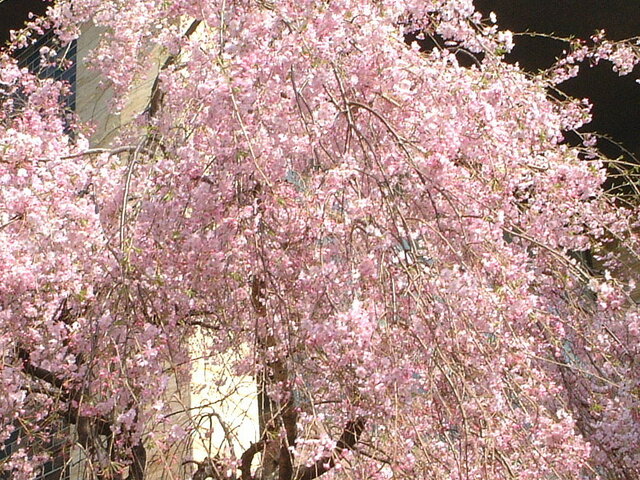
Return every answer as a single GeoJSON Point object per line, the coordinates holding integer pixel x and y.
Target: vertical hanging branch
{"type": "Point", "coordinates": [278, 457]}
{"type": "Point", "coordinates": [268, 413]}
{"type": "Point", "coordinates": [289, 421]}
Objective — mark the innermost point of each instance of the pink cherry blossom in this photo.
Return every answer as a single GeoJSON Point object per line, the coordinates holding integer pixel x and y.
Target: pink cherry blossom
{"type": "Point", "coordinates": [391, 249]}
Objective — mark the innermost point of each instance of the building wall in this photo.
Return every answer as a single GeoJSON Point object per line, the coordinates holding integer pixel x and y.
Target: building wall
{"type": "Point", "coordinates": [93, 98]}
{"type": "Point", "coordinates": [219, 406]}
{"type": "Point", "coordinates": [222, 403]}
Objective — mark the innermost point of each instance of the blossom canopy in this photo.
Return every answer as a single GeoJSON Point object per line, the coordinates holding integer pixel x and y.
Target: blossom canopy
{"type": "Point", "coordinates": [389, 244]}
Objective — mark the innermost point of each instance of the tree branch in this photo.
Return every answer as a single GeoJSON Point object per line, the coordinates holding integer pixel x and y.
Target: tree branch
{"type": "Point", "coordinates": [138, 462]}
{"type": "Point", "coordinates": [88, 427]}
{"type": "Point", "coordinates": [37, 372]}
{"type": "Point", "coordinates": [289, 420]}
{"type": "Point", "coordinates": [348, 440]}
{"type": "Point", "coordinates": [247, 459]}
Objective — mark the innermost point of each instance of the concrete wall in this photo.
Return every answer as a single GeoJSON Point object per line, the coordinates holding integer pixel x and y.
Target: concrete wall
{"type": "Point", "coordinates": [93, 97]}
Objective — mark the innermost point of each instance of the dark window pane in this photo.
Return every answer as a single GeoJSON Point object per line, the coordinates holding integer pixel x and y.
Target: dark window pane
{"type": "Point", "coordinates": [60, 64]}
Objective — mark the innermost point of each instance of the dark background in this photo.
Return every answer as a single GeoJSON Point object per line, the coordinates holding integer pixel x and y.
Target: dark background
{"type": "Point", "coordinates": [616, 100]}
{"type": "Point", "coordinates": [13, 14]}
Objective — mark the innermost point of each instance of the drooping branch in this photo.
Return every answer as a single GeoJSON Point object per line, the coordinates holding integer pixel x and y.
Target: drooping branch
{"type": "Point", "coordinates": [289, 421]}
{"type": "Point", "coordinates": [275, 372]}
{"type": "Point", "coordinates": [72, 415]}
{"type": "Point", "coordinates": [278, 455]}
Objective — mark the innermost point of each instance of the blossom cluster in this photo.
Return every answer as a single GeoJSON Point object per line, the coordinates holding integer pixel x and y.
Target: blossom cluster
{"type": "Point", "coordinates": [378, 236]}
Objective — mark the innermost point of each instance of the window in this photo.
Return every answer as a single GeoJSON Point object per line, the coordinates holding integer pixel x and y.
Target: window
{"type": "Point", "coordinates": [47, 59]}
{"type": "Point", "coordinates": [55, 468]}
{"type": "Point", "coordinates": [58, 61]}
